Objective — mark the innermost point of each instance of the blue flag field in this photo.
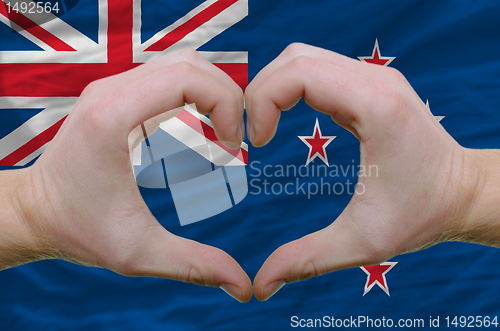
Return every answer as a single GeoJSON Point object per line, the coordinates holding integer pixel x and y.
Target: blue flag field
{"type": "Point", "coordinates": [449, 51]}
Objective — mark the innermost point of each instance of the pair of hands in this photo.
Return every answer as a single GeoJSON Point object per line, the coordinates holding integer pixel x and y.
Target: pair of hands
{"type": "Point", "coordinates": [80, 202]}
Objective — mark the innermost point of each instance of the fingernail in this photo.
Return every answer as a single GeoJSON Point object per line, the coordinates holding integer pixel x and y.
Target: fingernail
{"type": "Point", "coordinates": [274, 287]}
{"type": "Point", "coordinates": [251, 130]}
{"type": "Point", "coordinates": [231, 144]}
{"type": "Point", "coordinates": [232, 290]}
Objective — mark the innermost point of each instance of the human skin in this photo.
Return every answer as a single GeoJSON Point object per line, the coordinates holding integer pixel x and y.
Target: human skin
{"type": "Point", "coordinates": [80, 202]}
{"type": "Point", "coordinates": [429, 189]}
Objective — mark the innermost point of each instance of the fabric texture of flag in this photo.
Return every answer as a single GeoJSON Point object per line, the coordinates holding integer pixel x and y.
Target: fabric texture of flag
{"type": "Point", "coordinates": [448, 51]}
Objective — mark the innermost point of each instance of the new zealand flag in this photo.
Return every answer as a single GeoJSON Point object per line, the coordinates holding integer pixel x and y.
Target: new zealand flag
{"type": "Point", "coordinates": [448, 51]}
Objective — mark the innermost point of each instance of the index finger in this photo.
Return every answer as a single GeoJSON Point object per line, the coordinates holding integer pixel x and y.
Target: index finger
{"type": "Point", "coordinates": [326, 87]}
{"type": "Point", "coordinates": [184, 55]}
{"type": "Point", "coordinates": [116, 113]}
{"type": "Point", "coordinates": [298, 49]}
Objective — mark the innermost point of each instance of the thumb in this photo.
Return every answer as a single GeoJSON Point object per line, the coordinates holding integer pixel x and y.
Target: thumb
{"type": "Point", "coordinates": [332, 248]}
{"type": "Point", "coordinates": [168, 256]}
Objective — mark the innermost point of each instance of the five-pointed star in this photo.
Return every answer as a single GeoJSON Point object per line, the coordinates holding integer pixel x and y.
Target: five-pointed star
{"type": "Point", "coordinates": [439, 118]}
{"type": "Point", "coordinates": [376, 275]}
{"type": "Point", "coordinates": [317, 144]}
{"type": "Point", "coordinates": [376, 58]}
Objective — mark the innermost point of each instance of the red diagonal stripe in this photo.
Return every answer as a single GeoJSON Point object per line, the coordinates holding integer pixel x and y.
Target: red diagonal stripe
{"type": "Point", "coordinates": [209, 133]}
{"type": "Point", "coordinates": [32, 145]}
{"type": "Point", "coordinates": [37, 31]}
{"type": "Point", "coordinates": [237, 71]}
{"type": "Point", "coordinates": [181, 31]}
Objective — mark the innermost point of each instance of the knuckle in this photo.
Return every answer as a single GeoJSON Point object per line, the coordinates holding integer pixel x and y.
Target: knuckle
{"type": "Point", "coordinates": [94, 106]}
{"type": "Point", "coordinates": [391, 101]}
{"type": "Point", "coordinates": [389, 94]}
{"type": "Point", "coordinates": [391, 97]}
{"type": "Point", "coordinates": [95, 114]}
{"type": "Point", "coordinates": [101, 115]}
{"type": "Point", "coordinates": [194, 271]}
{"type": "Point", "coordinates": [93, 88]}
{"type": "Point", "coordinates": [395, 74]}
{"type": "Point", "coordinates": [188, 54]}
{"type": "Point", "coordinates": [194, 276]}
{"type": "Point", "coordinates": [295, 49]}
{"type": "Point", "coordinates": [304, 63]}
{"type": "Point", "coordinates": [181, 69]}
{"type": "Point", "coordinates": [309, 270]}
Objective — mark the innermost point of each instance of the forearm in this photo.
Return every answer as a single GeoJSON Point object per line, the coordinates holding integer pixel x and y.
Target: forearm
{"type": "Point", "coordinates": [18, 244]}
{"type": "Point", "coordinates": [481, 224]}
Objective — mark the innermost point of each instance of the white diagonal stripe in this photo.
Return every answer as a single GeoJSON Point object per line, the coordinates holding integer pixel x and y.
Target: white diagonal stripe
{"type": "Point", "coordinates": [55, 109]}
{"type": "Point", "coordinates": [201, 35]}
{"type": "Point", "coordinates": [87, 51]}
{"type": "Point", "coordinates": [23, 33]}
{"type": "Point", "coordinates": [176, 24]}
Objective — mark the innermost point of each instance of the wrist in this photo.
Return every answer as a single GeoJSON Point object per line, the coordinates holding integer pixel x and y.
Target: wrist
{"type": "Point", "coordinates": [19, 244]}
{"type": "Point", "coordinates": [480, 222]}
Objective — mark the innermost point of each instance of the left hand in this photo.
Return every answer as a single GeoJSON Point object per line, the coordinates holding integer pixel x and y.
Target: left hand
{"type": "Point", "coordinates": [426, 183]}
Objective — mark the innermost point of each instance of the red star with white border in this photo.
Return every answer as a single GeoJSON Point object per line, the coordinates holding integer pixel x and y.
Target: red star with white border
{"type": "Point", "coordinates": [439, 118]}
{"type": "Point", "coordinates": [376, 58]}
{"type": "Point", "coordinates": [376, 275]}
{"type": "Point", "coordinates": [317, 144]}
